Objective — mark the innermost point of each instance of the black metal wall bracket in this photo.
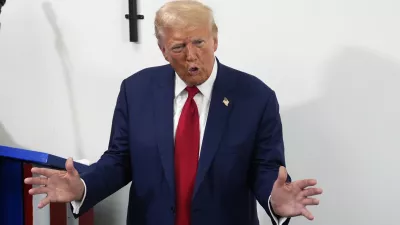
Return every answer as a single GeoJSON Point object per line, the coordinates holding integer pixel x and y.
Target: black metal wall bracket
{"type": "Point", "coordinates": [133, 18]}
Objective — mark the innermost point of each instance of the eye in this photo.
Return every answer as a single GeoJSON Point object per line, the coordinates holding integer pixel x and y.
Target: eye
{"type": "Point", "coordinates": [198, 43]}
{"type": "Point", "coordinates": [177, 48]}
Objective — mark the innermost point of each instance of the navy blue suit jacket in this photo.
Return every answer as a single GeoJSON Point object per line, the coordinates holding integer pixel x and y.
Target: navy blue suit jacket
{"type": "Point", "coordinates": [241, 152]}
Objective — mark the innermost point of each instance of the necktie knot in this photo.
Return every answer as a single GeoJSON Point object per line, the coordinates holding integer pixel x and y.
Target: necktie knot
{"type": "Point", "coordinates": [192, 91]}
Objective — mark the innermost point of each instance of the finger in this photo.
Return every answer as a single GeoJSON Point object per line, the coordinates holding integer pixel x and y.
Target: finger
{"type": "Point", "coordinates": [282, 176]}
{"type": "Point", "coordinates": [36, 180]}
{"type": "Point", "coordinates": [69, 166]}
{"type": "Point", "coordinates": [307, 214]}
{"type": "Point", "coordinates": [44, 202]}
{"type": "Point", "coordinates": [306, 183]}
{"type": "Point", "coordinates": [39, 190]}
{"type": "Point", "coordinates": [311, 192]}
{"type": "Point", "coordinates": [310, 201]}
{"type": "Point", "coordinates": [43, 171]}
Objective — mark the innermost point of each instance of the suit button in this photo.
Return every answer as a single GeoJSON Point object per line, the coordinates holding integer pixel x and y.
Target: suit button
{"type": "Point", "coordinates": [173, 209]}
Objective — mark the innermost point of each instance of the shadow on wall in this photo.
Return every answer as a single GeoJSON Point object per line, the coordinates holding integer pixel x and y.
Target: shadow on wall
{"type": "Point", "coordinates": [66, 63]}
{"type": "Point", "coordinates": [349, 139]}
{"type": "Point", "coordinates": [113, 209]}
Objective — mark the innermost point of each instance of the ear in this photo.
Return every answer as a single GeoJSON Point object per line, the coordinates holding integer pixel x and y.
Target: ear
{"type": "Point", "coordinates": [215, 43]}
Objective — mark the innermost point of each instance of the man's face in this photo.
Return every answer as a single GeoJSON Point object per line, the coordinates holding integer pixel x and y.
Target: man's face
{"type": "Point", "coordinates": [190, 53]}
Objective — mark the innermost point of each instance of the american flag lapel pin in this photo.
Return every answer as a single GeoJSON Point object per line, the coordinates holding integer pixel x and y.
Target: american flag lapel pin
{"type": "Point", "coordinates": [225, 101]}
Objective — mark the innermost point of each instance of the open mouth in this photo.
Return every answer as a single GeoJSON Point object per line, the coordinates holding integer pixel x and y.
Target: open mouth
{"type": "Point", "coordinates": [193, 69]}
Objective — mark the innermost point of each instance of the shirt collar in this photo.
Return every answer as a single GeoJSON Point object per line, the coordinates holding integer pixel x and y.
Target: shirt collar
{"type": "Point", "coordinates": [205, 88]}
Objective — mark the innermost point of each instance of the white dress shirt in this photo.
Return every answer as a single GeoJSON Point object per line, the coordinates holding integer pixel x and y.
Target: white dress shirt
{"type": "Point", "coordinates": [202, 99]}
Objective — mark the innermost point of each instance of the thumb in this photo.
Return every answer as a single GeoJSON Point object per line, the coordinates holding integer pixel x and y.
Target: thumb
{"type": "Point", "coordinates": [69, 166]}
{"type": "Point", "coordinates": [282, 176]}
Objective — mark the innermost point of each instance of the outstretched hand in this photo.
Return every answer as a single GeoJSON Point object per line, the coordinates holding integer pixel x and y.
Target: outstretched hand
{"type": "Point", "coordinates": [291, 199]}
{"type": "Point", "coordinates": [60, 186]}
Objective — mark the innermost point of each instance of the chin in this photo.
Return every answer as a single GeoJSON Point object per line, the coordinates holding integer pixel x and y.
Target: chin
{"type": "Point", "coordinates": [194, 79]}
{"type": "Point", "coordinates": [199, 81]}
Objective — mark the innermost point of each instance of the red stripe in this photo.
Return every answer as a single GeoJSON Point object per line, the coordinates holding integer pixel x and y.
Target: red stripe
{"type": "Point", "coordinates": [28, 199]}
{"type": "Point", "coordinates": [87, 218]}
{"type": "Point", "coordinates": [58, 214]}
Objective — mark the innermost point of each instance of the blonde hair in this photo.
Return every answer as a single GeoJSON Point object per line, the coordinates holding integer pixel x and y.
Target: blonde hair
{"type": "Point", "coordinates": [183, 14]}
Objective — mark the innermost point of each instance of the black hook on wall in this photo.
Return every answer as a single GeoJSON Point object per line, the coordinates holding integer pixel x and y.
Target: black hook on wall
{"type": "Point", "coordinates": [133, 18]}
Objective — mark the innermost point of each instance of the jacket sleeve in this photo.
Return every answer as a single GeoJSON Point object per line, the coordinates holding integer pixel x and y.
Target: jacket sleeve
{"type": "Point", "coordinates": [268, 156]}
{"type": "Point", "coordinates": [113, 170]}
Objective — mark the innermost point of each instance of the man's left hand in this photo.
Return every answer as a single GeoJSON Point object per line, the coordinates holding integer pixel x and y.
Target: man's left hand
{"type": "Point", "coordinates": [291, 199]}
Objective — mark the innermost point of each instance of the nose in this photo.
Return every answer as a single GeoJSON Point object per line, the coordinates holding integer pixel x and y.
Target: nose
{"type": "Point", "coordinates": [190, 53]}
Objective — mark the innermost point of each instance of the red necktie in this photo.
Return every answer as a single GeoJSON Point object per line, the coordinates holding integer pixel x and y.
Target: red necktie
{"type": "Point", "coordinates": [187, 144]}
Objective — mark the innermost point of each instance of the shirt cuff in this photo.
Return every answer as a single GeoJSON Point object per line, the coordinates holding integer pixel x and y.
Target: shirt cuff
{"type": "Point", "coordinates": [279, 221]}
{"type": "Point", "coordinates": [76, 205]}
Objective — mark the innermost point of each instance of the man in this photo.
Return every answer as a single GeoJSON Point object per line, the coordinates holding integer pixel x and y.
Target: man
{"type": "Point", "coordinates": [200, 141]}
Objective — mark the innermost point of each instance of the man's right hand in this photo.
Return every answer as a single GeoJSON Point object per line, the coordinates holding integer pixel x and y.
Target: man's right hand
{"type": "Point", "coordinates": [60, 186]}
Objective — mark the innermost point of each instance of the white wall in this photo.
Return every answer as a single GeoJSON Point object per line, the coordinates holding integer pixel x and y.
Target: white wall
{"type": "Point", "coordinates": [335, 66]}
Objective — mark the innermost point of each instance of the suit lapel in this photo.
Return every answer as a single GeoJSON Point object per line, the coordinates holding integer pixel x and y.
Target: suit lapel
{"type": "Point", "coordinates": [163, 90]}
{"type": "Point", "coordinates": [216, 122]}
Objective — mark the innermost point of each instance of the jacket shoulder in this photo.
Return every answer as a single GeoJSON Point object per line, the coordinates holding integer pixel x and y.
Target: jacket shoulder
{"type": "Point", "coordinates": [249, 85]}
{"type": "Point", "coordinates": [147, 74]}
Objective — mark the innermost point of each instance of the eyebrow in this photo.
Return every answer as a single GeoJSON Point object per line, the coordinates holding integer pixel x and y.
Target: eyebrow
{"type": "Point", "coordinates": [191, 40]}
{"type": "Point", "coordinates": [178, 43]}
{"type": "Point", "coordinates": [183, 44]}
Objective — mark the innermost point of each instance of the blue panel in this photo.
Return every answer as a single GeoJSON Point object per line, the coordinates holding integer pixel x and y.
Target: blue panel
{"type": "Point", "coordinates": [39, 158]}
{"type": "Point", "coordinates": [21, 154]}
{"type": "Point", "coordinates": [11, 192]}
{"type": "Point", "coordinates": [58, 162]}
